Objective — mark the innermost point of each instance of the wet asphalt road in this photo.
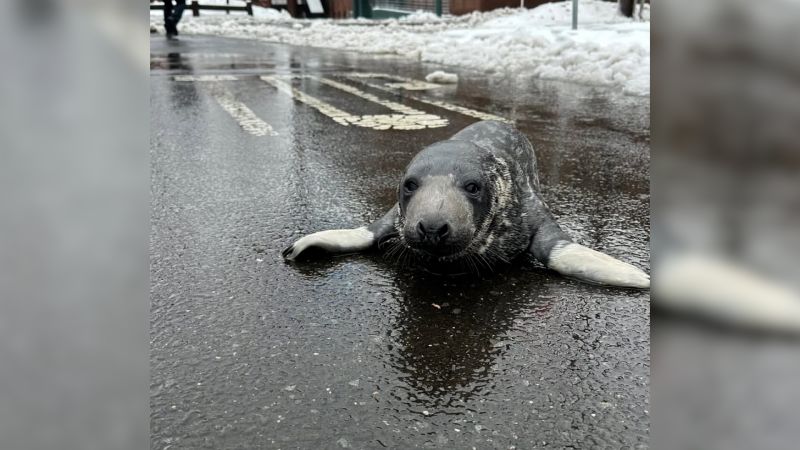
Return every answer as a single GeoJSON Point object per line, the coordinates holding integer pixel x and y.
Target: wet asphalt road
{"type": "Point", "coordinates": [355, 352]}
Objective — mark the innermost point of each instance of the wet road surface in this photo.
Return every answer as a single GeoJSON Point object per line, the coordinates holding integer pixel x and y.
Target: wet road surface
{"type": "Point", "coordinates": [357, 352]}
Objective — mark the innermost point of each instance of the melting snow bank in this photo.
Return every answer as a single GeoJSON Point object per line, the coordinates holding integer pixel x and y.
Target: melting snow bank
{"type": "Point", "coordinates": [441, 77]}
{"type": "Point", "coordinates": [606, 50]}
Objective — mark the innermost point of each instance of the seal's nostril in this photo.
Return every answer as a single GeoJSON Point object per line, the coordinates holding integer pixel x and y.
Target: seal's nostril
{"type": "Point", "coordinates": [421, 230]}
{"type": "Point", "coordinates": [433, 233]}
{"type": "Point", "coordinates": [443, 231]}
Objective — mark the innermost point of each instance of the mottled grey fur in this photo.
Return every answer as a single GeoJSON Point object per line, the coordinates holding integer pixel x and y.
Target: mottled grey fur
{"type": "Point", "coordinates": [518, 220]}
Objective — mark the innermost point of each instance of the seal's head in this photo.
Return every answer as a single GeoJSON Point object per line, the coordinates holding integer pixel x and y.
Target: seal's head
{"type": "Point", "coordinates": [446, 199]}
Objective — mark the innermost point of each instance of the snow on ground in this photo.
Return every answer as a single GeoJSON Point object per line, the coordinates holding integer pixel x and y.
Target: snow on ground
{"type": "Point", "coordinates": [606, 50]}
{"type": "Point", "coordinates": [441, 77]}
{"type": "Point", "coordinates": [421, 16]}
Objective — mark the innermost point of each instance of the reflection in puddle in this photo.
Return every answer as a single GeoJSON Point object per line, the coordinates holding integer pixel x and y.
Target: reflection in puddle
{"type": "Point", "coordinates": [450, 331]}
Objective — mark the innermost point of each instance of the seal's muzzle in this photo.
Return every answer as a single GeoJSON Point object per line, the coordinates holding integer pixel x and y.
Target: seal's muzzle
{"type": "Point", "coordinates": [433, 232]}
{"type": "Point", "coordinates": [438, 218]}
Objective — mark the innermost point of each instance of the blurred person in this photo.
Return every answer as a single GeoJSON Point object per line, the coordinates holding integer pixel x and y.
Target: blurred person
{"type": "Point", "coordinates": [627, 7]}
{"type": "Point", "coordinates": [173, 16]}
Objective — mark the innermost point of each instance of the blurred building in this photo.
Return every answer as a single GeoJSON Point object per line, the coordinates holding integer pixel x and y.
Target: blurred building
{"type": "Point", "coordinates": [341, 9]}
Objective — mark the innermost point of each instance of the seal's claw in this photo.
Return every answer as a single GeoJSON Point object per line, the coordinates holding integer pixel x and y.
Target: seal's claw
{"type": "Point", "coordinates": [287, 252]}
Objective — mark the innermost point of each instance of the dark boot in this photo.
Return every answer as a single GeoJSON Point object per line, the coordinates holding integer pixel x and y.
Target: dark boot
{"type": "Point", "coordinates": [172, 30]}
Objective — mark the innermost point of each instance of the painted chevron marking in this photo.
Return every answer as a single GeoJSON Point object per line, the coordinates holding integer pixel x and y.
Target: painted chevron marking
{"type": "Point", "coordinates": [407, 118]}
{"type": "Point", "coordinates": [246, 118]}
{"type": "Point", "coordinates": [205, 78]}
{"type": "Point", "coordinates": [417, 85]}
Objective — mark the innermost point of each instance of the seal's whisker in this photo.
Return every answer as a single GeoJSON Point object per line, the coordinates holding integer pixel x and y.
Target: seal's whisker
{"type": "Point", "coordinates": [471, 259]}
{"type": "Point", "coordinates": [485, 261]}
{"type": "Point", "coordinates": [495, 254]}
{"type": "Point", "coordinates": [408, 257]}
{"type": "Point", "coordinates": [394, 250]}
{"type": "Point", "coordinates": [399, 253]}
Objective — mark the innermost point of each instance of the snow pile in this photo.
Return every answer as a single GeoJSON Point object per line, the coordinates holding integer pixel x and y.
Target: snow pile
{"type": "Point", "coordinates": [420, 16]}
{"type": "Point", "coordinates": [606, 50]}
{"type": "Point", "coordinates": [266, 13]}
{"type": "Point", "coordinates": [441, 77]}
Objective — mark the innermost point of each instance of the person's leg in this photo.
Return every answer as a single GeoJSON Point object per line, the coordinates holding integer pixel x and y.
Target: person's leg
{"type": "Point", "coordinates": [180, 6]}
{"type": "Point", "coordinates": [168, 25]}
{"type": "Point", "coordinates": [167, 10]}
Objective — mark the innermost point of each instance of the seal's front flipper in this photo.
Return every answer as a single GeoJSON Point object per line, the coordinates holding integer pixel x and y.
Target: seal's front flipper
{"type": "Point", "coordinates": [555, 249]}
{"type": "Point", "coordinates": [332, 241]}
{"type": "Point", "coordinates": [343, 241]}
{"type": "Point", "coordinates": [575, 260]}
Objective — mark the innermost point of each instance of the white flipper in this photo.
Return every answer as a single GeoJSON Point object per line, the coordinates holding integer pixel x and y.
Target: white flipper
{"type": "Point", "coordinates": [575, 260]}
{"type": "Point", "coordinates": [333, 241]}
{"type": "Point", "coordinates": [727, 291]}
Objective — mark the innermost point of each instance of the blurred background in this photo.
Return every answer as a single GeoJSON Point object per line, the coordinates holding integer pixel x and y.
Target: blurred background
{"type": "Point", "coordinates": [74, 225]}
{"type": "Point", "coordinates": [74, 221]}
{"type": "Point", "coordinates": [725, 210]}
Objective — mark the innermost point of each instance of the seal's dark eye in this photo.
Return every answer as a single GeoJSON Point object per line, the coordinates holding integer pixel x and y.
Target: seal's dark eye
{"type": "Point", "coordinates": [472, 188]}
{"type": "Point", "coordinates": [410, 186]}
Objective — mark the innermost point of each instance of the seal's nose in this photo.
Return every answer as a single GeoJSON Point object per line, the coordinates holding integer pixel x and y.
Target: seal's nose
{"type": "Point", "coordinates": [433, 231]}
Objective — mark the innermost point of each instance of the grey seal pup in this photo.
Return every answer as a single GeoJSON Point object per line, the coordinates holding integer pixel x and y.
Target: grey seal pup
{"type": "Point", "coordinates": [474, 201]}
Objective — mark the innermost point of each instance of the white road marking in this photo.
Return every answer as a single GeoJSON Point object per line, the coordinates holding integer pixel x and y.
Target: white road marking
{"type": "Point", "coordinates": [408, 84]}
{"type": "Point", "coordinates": [247, 119]}
{"type": "Point", "coordinates": [407, 118]}
{"type": "Point", "coordinates": [205, 78]}
{"type": "Point", "coordinates": [462, 110]}
{"type": "Point", "coordinates": [415, 85]}
{"type": "Point", "coordinates": [329, 110]}
{"type": "Point", "coordinates": [394, 106]}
